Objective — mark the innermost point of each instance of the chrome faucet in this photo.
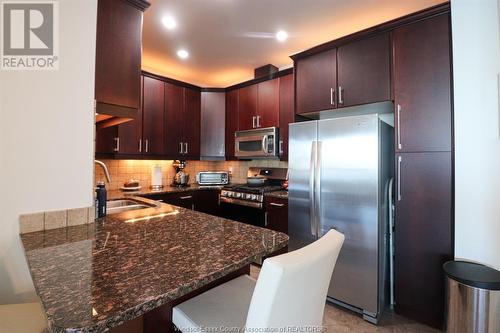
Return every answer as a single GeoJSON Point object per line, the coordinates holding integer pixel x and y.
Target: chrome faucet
{"type": "Point", "coordinates": [105, 168]}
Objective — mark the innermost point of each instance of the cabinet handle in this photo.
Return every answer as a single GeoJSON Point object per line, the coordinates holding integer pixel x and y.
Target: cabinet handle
{"type": "Point", "coordinates": [186, 150]}
{"type": "Point", "coordinates": [341, 101]}
{"type": "Point", "coordinates": [147, 145]}
{"type": "Point", "coordinates": [186, 197]}
{"type": "Point", "coordinates": [276, 204]}
{"type": "Point", "coordinates": [253, 122]}
{"type": "Point", "coordinates": [399, 178]}
{"type": "Point", "coordinates": [398, 120]}
{"type": "Point", "coordinates": [181, 151]}
{"type": "Point", "coordinates": [258, 121]}
{"type": "Point", "coordinates": [140, 145]}
{"type": "Point", "coordinates": [332, 96]}
{"type": "Point", "coordinates": [265, 219]}
{"type": "Point", "coordinates": [117, 144]}
{"type": "Point", "coordinates": [281, 146]}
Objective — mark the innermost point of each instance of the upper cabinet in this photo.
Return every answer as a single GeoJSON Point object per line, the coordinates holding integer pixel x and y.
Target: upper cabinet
{"type": "Point", "coordinates": [364, 71]}
{"type": "Point", "coordinates": [231, 121]}
{"type": "Point", "coordinates": [153, 118]}
{"type": "Point", "coordinates": [286, 112]}
{"type": "Point", "coordinates": [182, 121]}
{"type": "Point", "coordinates": [316, 78]}
{"type": "Point", "coordinates": [247, 108]}
{"type": "Point", "coordinates": [352, 74]}
{"type": "Point", "coordinates": [422, 86]}
{"type": "Point", "coordinates": [118, 57]}
{"type": "Point", "coordinates": [268, 103]}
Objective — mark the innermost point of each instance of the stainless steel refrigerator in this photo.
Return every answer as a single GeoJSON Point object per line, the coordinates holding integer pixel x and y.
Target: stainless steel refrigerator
{"type": "Point", "coordinates": [339, 175]}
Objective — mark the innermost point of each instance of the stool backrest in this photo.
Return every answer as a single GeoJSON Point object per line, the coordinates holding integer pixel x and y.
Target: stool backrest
{"type": "Point", "coordinates": [291, 289]}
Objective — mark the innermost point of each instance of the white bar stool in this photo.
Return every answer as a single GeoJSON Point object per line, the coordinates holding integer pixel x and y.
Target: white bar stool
{"type": "Point", "coordinates": [290, 292]}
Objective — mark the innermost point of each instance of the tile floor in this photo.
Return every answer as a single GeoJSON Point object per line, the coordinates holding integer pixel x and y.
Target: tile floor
{"type": "Point", "coordinates": [338, 320]}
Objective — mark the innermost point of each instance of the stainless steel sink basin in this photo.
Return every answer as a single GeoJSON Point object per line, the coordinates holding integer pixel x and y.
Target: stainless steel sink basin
{"type": "Point", "coordinates": [124, 205]}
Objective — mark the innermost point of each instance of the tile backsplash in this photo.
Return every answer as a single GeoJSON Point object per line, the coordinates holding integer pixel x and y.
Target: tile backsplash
{"type": "Point", "coordinates": [124, 170]}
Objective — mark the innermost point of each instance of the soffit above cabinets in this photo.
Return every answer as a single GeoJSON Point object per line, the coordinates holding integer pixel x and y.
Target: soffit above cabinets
{"type": "Point", "coordinates": [227, 39]}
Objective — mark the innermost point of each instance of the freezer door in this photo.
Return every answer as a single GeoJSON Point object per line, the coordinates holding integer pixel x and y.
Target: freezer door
{"type": "Point", "coordinates": [348, 202]}
{"type": "Point", "coordinates": [302, 226]}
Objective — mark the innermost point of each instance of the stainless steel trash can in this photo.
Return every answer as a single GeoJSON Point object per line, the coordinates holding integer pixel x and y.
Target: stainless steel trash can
{"type": "Point", "coordinates": [472, 298]}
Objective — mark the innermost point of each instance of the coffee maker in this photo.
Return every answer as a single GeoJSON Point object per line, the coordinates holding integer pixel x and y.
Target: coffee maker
{"type": "Point", "coordinates": [181, 178]}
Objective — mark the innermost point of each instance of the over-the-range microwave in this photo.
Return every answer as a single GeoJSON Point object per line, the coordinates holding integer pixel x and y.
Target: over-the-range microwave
{"type": "Point", "coordinates": [256, 143]}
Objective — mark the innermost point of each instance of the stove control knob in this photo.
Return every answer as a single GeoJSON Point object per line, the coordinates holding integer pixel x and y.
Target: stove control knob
{"type": "Point", "coordinates": [238, 195]}
{"type": "Point", "coordinates": [228, 194]}
{"type": "Point", "coordinates": [248, 196]}
{"type": "Point", "coordinates": [254, 197]}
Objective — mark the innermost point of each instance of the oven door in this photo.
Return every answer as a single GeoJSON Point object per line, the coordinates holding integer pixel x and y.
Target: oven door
{"type": "Point", "coordinates": [244, 214]}
{"type": "Point", "coordinates": [256, 143]}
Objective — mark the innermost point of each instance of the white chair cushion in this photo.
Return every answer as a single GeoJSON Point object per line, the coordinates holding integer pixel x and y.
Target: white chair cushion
{"type": "Point", "coordinates": [226, 305]}
{"type": "Point", "coordinates": [22, 318]}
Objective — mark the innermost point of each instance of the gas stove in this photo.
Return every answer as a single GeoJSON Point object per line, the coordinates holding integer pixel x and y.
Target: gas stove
{"type": "Point", "coordinates": [253, 196]}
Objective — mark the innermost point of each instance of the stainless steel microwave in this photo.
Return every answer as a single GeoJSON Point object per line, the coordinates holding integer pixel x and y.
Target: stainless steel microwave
{"type": "Point", "coordinates": [256, 143]}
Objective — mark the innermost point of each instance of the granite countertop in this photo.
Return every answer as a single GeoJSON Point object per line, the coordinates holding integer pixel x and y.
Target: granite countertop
{"type": "Point", "coordinates": [277, 194]}
{"type": "Point", "coordinates": [97, 276]}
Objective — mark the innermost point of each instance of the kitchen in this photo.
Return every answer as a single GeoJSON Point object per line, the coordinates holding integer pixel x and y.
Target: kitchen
{"type": "Point", "coordinates": [203, 178]}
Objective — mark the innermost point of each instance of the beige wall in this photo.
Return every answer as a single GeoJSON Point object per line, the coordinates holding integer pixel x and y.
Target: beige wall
{"type": "Point", "coordinates": [476, 66]}
{"type": "Point", "coordinates": [46, 140]}
{"type": "Point", "coordinates": [123, 170]}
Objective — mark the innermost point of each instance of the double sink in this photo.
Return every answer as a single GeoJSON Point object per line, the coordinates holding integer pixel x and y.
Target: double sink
{"type": "Point", "coordinates": [125, 205]}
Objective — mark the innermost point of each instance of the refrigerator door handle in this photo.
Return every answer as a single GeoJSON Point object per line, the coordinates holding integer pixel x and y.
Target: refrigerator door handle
{"type": "Point", "coordinates": [317, 189]}
{"type": "Point", "coordinates": [312, 195]}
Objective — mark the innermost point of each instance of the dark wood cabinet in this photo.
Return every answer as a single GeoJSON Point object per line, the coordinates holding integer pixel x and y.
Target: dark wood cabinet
{"type": "Point", "coordinates": [118, 53]}
{"type": "Point", "coordinates": [174, 115]}
{"type": "Point", "coordinates": [106, 141]}
{"type": "Point", "coordinates": [364, 71]}
{"type": "Point", "coordinates": [286, 113]}
{"type": "Point", "coordinates": [268, 103]}
{"type": "Point", "coordinates": [231, 121]}
{"type": "Point", "coordinates": [207, 201]}
{"type": "Point", "coordinates": [153, 117]}
{"type": "Point", "coordinates": [191, 123]}
{"type": "Point", "coordinates": [247, 108]}
{"type": "Point", "coordinates": [423, 234]}
{"type": "Point", "coordinates": [422, 85]}
{"type": "Point", "coordinates": [277, 214]}
{"type": "Point", "coordinates": [316, 82]}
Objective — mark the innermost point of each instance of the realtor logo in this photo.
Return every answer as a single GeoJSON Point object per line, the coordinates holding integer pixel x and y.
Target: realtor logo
{"type": "Point", "coordinates": [29, 35]}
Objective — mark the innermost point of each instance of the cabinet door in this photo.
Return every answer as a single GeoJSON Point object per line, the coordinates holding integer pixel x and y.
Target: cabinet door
{"type": "Point", "coordinates": [247, 108]}
{"type": "Point", "coordinates": [130, 133]}
{"type": "Point", "coordinates": [277, 214]}
{"type": "Point", "coordinates": [316, 78]}
{"type": "Point", "coordinates": [192, 120]}
{"type": "Point", "coordinates": [118, 54]}
{"type": "Point", "coordinates": [268, 103]}
{"type": "Point", "coordinates": [153, 117]}
{"type": "Point", "coordinates": [174, 117]}
{"type": "Point", "coordinates": [107, 141]}
{"type": "Point", "coordinates": [231, 121]}
{"type": "Point", "coordinates": [422, 86]}
{"type": "Point", "coordinates": [207, 201]}
{"type": "Point", "coordinates": [423, 234]}
{"type": "Point", "coordinates": [286, 113]}
{"type": "Point", "coordinates": [364, 71]}
{"type": "Point", "coordinates": [180, 199]}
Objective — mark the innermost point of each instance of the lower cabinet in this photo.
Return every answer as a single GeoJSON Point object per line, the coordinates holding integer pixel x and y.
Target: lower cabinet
{"type": "Point", "coordinates": [277, 214]}
{"type": "Point", "coordinates": [423, 234]}
{"type": "Point", "coordinates": [205, 201]}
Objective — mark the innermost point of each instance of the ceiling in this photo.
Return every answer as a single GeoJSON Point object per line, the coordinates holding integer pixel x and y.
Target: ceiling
{"type": "Point", "coordinates": [227, 39]}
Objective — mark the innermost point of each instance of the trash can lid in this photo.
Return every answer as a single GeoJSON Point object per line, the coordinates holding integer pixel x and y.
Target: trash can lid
{"type": "Point", "coordinates": [472, 274]}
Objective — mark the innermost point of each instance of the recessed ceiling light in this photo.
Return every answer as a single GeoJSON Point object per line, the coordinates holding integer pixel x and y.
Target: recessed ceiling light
{"type": "Point", "coordinates": [169, 22]}
{"type": "Point", "coordinates": [183, 54]}
{"type": "Point", "coordinates": [282, 35]}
